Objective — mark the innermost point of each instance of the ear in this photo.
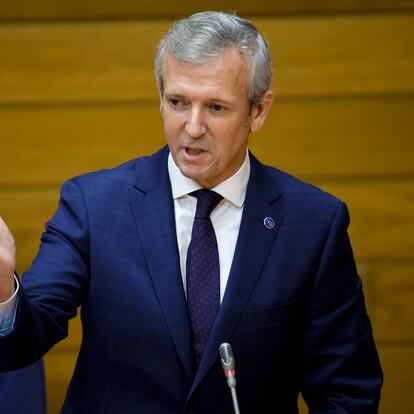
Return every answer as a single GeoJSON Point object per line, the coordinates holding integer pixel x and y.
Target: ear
{"type": "Point", "coordinates": [260, 110]}
{"type": "Point", "coordinates": [161, 99]}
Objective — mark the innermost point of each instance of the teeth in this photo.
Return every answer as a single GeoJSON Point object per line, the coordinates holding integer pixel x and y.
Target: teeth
{"type": "Point", "coordinates": [193, 151]}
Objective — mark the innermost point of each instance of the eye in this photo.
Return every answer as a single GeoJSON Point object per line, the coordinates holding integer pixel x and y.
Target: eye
{"type": "Point", "coordinates": [216, 108]}
{"type": "Point", "coordinates": [174, 101]}
{"type": "Point", "coordinates": [178, 103]}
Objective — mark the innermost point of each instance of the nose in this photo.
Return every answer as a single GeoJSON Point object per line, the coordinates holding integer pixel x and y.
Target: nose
{"type": "Point", "coordinates": [195, 126]}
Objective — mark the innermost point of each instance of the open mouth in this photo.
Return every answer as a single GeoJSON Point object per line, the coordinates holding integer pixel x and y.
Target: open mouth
{"type": "Point", "coordinates": [194, 151]}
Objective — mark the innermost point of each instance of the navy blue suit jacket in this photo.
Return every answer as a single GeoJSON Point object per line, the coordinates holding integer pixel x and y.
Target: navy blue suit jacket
{"type": "Point", "coordinates": [23, 391]}
{"type": "Point", "coordinates": [293, 309]}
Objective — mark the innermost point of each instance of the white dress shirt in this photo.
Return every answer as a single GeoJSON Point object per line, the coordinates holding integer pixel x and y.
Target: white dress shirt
{"type": "Point", "coordinates": [226, 218]}
{"type": "Point", "coordinates": [8, 312]}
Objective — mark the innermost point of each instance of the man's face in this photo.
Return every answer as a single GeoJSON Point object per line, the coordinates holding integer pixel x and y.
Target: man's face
{"type": "Point", "coordinates": [207, 116]}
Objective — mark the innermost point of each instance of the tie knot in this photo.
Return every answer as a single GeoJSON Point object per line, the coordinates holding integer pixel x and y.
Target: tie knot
{"type": "Point", "coordinates": [207, 201]}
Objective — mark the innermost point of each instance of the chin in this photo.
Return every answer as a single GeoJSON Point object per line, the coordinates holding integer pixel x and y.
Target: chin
{"type": "Point", "coordinates": [192, 175]}
{"type": "Point", "coordinates": [190, 171]}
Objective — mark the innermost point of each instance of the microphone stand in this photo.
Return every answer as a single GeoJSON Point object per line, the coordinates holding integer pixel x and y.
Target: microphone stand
{"type": "Point", "coordinates": [235, 401]}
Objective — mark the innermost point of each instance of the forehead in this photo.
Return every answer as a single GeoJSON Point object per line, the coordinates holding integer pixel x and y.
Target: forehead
{"type": "Point", "coordinates": [225, 75]}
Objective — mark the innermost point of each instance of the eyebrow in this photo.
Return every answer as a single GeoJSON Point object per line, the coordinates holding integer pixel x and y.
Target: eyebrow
{"type": "Point", "coordinates": [215, 100]}
{"type": "Point", "coordinates": [174, 95]}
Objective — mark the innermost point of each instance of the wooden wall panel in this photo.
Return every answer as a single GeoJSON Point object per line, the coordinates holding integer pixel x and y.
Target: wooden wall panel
{"type": "Point", "coordinates": [113, 61]}
{"type": "Point", "coordinates": [78, 62]}
{"type": "Point", "coordinates": [398, 366]}
{"type": "Point", "coordinates": [49, 146]}
{"type": "Point", "coordinates": [339, 138]}
{"type": "Point", "coordinates": [341, 55]}
{"type": "Point", "coordinates": [389, 292]}
{"type": "Point", "coordinates": [322, 139]}
{"type": "Point", "coordinates": [20, 9]}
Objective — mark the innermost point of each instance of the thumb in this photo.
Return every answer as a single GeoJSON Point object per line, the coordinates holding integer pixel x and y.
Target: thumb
{"type": "Point", "coordinates": [7, 261]}
{"type": "Point", "coordinates": [6, 238]}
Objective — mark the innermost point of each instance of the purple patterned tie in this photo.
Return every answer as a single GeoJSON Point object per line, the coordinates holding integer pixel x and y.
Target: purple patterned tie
{"type": "Point", "coordinates": [203, 271]}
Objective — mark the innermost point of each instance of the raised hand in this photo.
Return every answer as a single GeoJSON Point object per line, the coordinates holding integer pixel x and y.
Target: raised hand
{"type": "Point", "coordinates": [7, 262]}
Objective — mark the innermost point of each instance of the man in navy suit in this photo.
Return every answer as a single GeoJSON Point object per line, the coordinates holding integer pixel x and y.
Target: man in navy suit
{"type": "Point", "coordinates": [290, 300]}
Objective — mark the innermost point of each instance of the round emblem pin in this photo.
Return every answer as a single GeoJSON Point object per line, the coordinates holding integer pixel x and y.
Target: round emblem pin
{"type": "Point", "coordinates": [269, 223]}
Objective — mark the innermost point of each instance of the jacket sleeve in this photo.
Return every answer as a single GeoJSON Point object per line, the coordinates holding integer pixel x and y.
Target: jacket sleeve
{"type": "Point", "coordinates": [341, 368]}
{"type": "Point", "coordinates": [54, 287]}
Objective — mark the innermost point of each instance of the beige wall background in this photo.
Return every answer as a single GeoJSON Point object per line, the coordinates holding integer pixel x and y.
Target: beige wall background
{"type": "Point", "coordinates": [77, 94]}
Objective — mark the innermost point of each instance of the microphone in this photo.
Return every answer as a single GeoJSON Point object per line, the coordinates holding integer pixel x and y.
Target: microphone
{"type": "Point", "coordinates": [228, 364]}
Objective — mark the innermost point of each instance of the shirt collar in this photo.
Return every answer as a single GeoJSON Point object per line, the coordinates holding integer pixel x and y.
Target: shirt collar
{"type": "Point", "coordinates": [232, 189]}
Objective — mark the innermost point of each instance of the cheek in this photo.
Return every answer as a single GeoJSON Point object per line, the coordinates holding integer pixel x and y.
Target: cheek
{"type": "Point", "coordinates": [231, 140]}
{"type": "Point", "coordinates": [171, 129]}
{"type": "Point", "coordinates": [174, 119]}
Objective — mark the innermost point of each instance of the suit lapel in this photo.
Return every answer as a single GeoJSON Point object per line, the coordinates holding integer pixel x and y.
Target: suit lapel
{"type": "Point", "coordinates": [153, 210]}
{"type": "Point", "coordinates": [253, 246]}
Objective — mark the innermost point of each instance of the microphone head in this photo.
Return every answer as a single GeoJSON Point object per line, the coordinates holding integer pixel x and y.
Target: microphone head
{"type": "Point", "coordinates": [226, 357]}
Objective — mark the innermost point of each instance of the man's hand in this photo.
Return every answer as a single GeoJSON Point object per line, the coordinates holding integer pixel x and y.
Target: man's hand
{"type": "Point", "coordinates": [7, 262]}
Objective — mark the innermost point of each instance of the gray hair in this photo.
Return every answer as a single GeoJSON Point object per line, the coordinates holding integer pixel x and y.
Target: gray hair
{"type": "Point", "coordinates": [206, 35]}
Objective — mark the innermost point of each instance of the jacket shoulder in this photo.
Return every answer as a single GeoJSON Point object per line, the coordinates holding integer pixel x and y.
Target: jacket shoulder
{"type": "Point", "coordinates": [296, 191]}
{"type": "Point", "coordinates": [292, 184]}
{"type": "Point", "coordinates": [124, 175]}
